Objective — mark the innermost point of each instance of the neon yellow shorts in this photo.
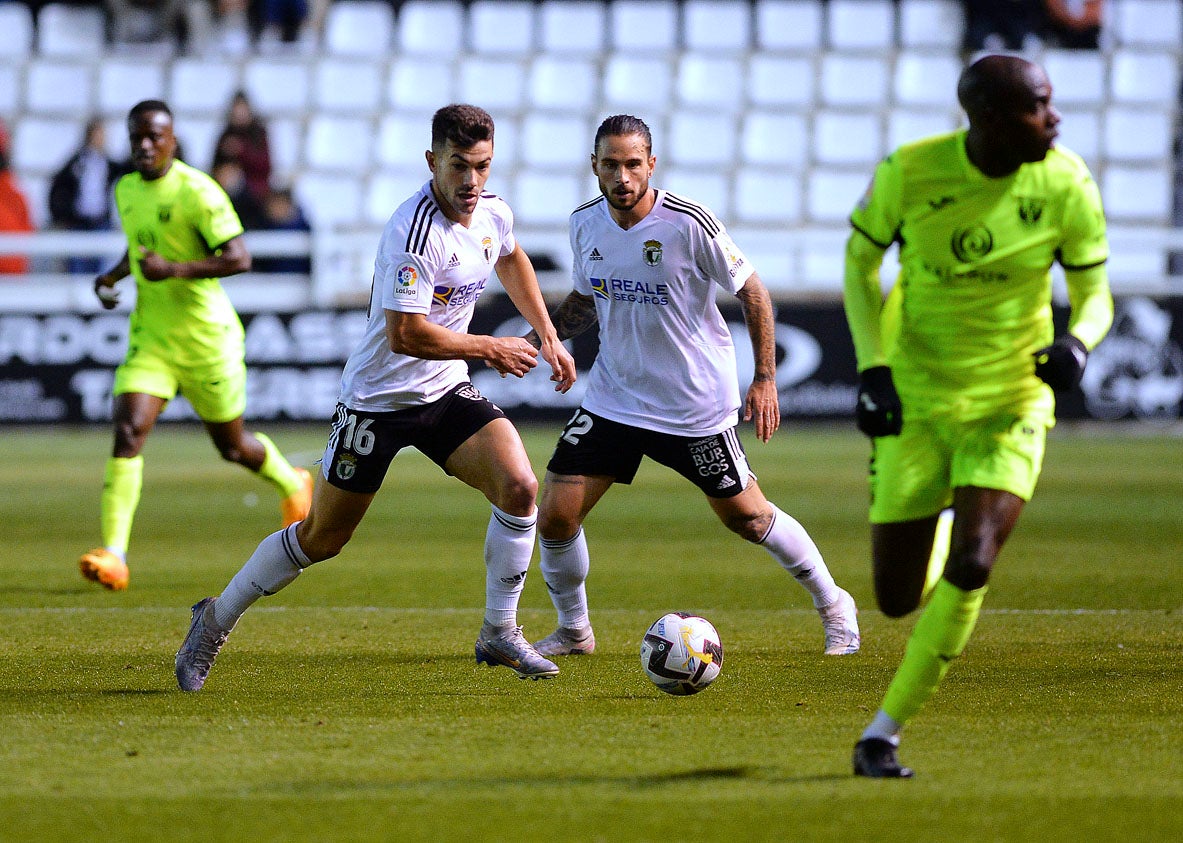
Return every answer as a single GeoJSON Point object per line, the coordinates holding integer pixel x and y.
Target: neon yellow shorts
{"type": "Point", "coordinates": [217, 391]}
{"type": "Point", "coordinates": [913, 475]}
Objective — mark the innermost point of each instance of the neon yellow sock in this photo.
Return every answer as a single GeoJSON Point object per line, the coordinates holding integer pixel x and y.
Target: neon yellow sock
{"type": "Point", "coordinates": [940, 552]}
{"type": "Point", "coordinates": [276, 470]}
{"type": "Point", "coordinates": [939, 637]}
{"type": "Point", "coordinates": [122, 480]}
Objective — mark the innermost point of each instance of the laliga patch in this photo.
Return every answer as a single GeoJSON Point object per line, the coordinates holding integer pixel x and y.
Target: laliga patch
{"type": "Point", "coordinates": [404, 280]}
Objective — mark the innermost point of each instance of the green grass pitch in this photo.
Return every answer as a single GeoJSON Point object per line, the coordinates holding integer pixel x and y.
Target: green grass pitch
{"type": "Point", "coordinates": [350, 707]}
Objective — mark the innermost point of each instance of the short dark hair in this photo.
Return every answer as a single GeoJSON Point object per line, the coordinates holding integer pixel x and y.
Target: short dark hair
{"type": "Point", "coordinates": [624, 124]}
{"type": "Point", "coordinates": [146, 107]}
{"type": "Point", "coordinates": [463, 125]}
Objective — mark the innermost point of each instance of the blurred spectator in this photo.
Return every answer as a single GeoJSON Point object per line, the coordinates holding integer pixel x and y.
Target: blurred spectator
{"type": "Point", "coordinates": [80, 194]}
{"type": "Point", "coordinates": [229, 174]}
{"type": "Point", "coordinates": [144, 21]}
{"type": "Point", "coordinates": [1073, 24]}
{"type": "Point", "coordinates": [244, 141]}
{"type": "Point", "coordinates": [14, 208]}
{"type": "Point", "coordinates": [287, 21]}
{"type": "Point", "coordinates": [998, 25]}
{"type": "Point", "coordinates": [281, 213]}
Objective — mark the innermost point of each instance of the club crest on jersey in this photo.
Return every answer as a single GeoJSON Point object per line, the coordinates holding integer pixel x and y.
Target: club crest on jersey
{"type": "Point", "coordinates": [1030, 209]}
{"type": "Point", "coordinates": [164, 213]}
{"type": "Point", "coordinates": [651, 251]}
{"type": "Point", "coordinates": [404, 279]}
{"type": "Point", "coordinates": [487, 246]}
{"type": "Point", "coordinates": [146, 238]}
{"type": "Point", "coordinates": [346, 466]}
{"type": "Point", "coordinates": [971, 244]}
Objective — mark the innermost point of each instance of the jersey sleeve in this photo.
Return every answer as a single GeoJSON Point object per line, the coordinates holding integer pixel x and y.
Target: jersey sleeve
{"type": "Point", "coordinates": [1085, 243]}
{"type": "Point", "coordinates": [216, 218]}
{"type": "Point", "coordinates": [406, 280]}
{"type": "Point", "coordinates": [721, 259]}
{"type": "Point", "coordinates": [505, 222]}
{"type": "Point", "coordinates": [1091, 304]}
{"type": "Point", "coordinates": [579, 280]}
{"type": "Point", "coordinates": [876, 222]}
{"type": "Point", "coordinates": [878, 213]}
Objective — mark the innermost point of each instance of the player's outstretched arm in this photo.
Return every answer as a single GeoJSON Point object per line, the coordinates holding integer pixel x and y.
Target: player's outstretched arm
{"type": "Point", "coordinates": [521, 284]}
{"type": "Point", "coordinates": [411, 334]}
{"type": "Point", "coordinates": [231, 258]}
{"type": "Point", "coordinates": [762, 403]}
{"type": "Point", "coordinates": [104, 285]}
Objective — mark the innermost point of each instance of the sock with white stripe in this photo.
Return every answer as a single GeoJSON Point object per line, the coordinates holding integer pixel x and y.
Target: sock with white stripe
{"type": "Point", "coordinates": [791, 546]}
{"type": "Point", "coordinates": [509, 544]}
{"type": "Point", "coordinates": [276, 562]}
{"type": "Point", "coordinates": [564, 566]}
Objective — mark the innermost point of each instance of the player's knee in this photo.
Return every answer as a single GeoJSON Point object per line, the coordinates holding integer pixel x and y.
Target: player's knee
{"type": "Point", "coordinates": [970, 564]}
{"type": "Point", "coordinates": [897, 605]}
{"type": "Point", "coordinates": [750, 526]}
{"type": "Point", "coordinates": [129, 437]}
{"type": "Point", "coordinates": [556, 526]}
{"type": "Point", "coordinates": [517, 493]}
{"type": "Point", "coordinates": [230, 453]}
{"type": "Point", "coordinates": [319, 545]}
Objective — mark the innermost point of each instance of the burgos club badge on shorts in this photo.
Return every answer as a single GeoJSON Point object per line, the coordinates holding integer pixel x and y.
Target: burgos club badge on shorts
{"type": "Point", "coordinates": [652, 252]}
{"type": "Point", "coordinates": [346, 466]}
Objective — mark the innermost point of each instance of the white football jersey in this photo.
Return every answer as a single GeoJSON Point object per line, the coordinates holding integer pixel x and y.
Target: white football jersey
{"type": "Point", "coordinates": [666, 360]}
{"type": "Point", "coordinates": [426, 264]}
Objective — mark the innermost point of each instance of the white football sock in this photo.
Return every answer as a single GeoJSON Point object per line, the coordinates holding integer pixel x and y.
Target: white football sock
{"type": "Point", "coordinates": [792, 547]}
{"type": "Point", "coordinates": [564, 566]}
{"type": "Point", "coordinates": [276, 562]}
{"type": "Point", "coordinates": [884, 728]}
{"type": "Point", "coordinates": [509, 544]}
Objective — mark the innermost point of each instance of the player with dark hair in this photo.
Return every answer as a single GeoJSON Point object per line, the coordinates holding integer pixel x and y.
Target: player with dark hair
{"type": "Point", "coordinates": [406, 384]}
{"type": "Point", "coordinates": [664, 384]}
{"type": "Point", "coordinates": [183, 235]}
{"type": "Point", "coordinates": [956, 370]}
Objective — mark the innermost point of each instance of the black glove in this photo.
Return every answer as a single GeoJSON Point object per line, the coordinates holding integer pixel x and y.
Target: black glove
{"type": "Point", "coordinates": [1061, 364]}
{"type": "Point", "coordinates": [878, 412]}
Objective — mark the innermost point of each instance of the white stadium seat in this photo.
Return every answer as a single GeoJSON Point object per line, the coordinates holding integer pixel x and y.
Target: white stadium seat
{"type": "Point", "coordinates": [701, 186]}
{"type": "Point", "coordinates": [645, 26]}
{"type": "Point", "coordinates": [1137, 194]}
{"type": "Point", "coordinates": [507, 143]}
{"type": "Point", "coordinates": [767, 197]}
{"type": "Point", "coordinates": [781, 81]}
{"type": "Point", "coordinates": [833, 193]}
{"type": "Point", "coordinates": [40, 146]}
{"type": "Point", "coordinates": [859, 25]}
{"type": "Point", "coordinates": [905, 125]}
{"type": "Point", "coordinates": [847, 138]}
{"type": "Point", "coordinates": [58, 87]}
{"type": "Point", "coordinates": [70, 30]}
{"type": "Point", "coordinates": [931, 23]}
{"type": "Point", "coordinates": [359, 28]}
{"type": "Point", "coordinates": [124, 82]}
{"type": "Point", "coordinates": [329, 199]}
{"type": "Point", "coordinates": [430, 27]}
{"type": "Point", "coordinates": [421, 84]}
{"type": "Point", "coordinates": [559, 83]}
{"type": "Point", "coordinates": [494, 84]}
{"type": "Point", "coordinates": [572, 27]}
{"type": "Point", "coordinates": [710, 81]}
{"type": "Point", "coordinates": [16, 22]}
{"type": "Point", "coordinates": [1144, 77]}
{"type": "Point", "coordinates": [339, 143]}
{"type": "Point", "coordinates": [1138, 135]}
{"type": "Point", "coordinates": [36, 190]}
{"type": "Point", "coordinates": [637, 82]}
{"type": "Point", "coordinates": [1077, 77]}
{"type": "Point", "coordinates": [388, 189]}
{"type": "Point", "coordinates": [202, 86]}
{"type": "Point", "coordinates": [198, 138]}
{"type": "Point", "coordinates": [348, 85]}
{"type": "Point", "coordinates": [277, 86]}
{"type": "Point", "coordinates": [854, 79]}
{"type": "Point", "coordinates": [704, 139]}
{"type": "Point", "coordinates": [403, 141]}
{"type": "Point", "coordinates": [11, 88]}
{"type": "Point", "coordinates": [285, 135]}
{"type": "Point", "coordinates": [501, 27]}
{"type": "Point", "coordinates": [793, 25]}
{"type": "Point", "coordinates": [555, 140]}
{"type": "Point", "coordinates": [716, 27]}
{"type": "Point", "coordinates": [1080, 131]}
{"type": "Point", "coordinates": [773, 137]}
{"type": "Point", "coordinates": [926, 79]}
{"type": "Point", "coordinates": [546, 198]}
{"type": "Point", "coordinates": [1148, 23]}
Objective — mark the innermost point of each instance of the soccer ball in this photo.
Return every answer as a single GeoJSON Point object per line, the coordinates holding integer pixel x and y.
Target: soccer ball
{"type": "Point", "coordinates": [681, 653]}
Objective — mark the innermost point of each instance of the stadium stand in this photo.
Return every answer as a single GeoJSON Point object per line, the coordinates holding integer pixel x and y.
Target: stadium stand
{"type": "Point", "coordinates": [770, 111]}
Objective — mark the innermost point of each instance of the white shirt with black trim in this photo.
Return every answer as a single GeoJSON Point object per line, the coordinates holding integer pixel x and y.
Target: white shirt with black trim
{"type": "Point", "coordinates": [426, 264]}
{"type": "Point", "coordinates": [666, 360]}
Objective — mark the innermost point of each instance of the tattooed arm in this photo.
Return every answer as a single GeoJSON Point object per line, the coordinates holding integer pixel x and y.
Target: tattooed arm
{"type": "Point", "coordinates": [575, 315]}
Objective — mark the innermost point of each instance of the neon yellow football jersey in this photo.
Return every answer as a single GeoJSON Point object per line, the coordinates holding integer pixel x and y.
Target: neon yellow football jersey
{"type": "Point", "coordinates": [973, 297]}
{"type": "Point", "coordinates": [184, 215]}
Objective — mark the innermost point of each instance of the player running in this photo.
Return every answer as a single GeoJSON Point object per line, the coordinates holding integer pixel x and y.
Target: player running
{"type": "Point", "coordinates": [406, 384]}
{"type": "Point", "coordinates": [956, 370]}
{"type": "Point", "coordinates": [664, 385]}
{"type": "Point", "coordinates": [183, 235]}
